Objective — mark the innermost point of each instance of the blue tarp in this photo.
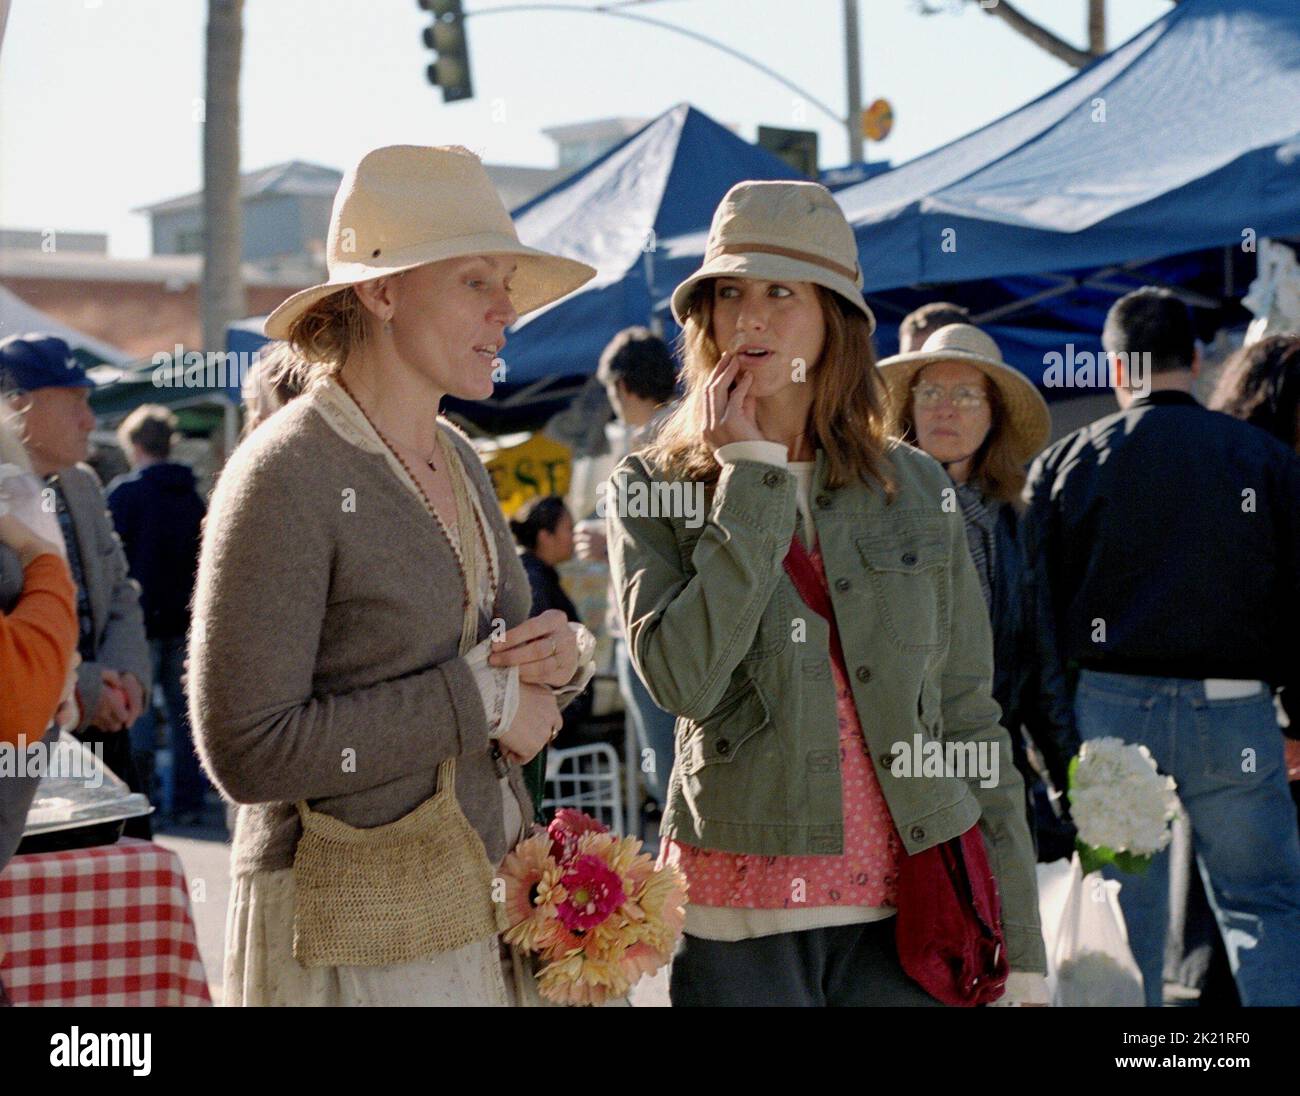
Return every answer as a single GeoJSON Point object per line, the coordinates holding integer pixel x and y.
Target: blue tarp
{"type": "Point", "coordinates": [1179, 140]}
{"type": "Point", "coordinates": [1148, 166]}
{"type": "Point", "coordinates": [663, 181]}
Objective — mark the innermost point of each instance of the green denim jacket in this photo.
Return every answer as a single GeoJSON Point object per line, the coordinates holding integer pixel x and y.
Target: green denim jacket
{"type": "Point", "coordinates": [721, 638]}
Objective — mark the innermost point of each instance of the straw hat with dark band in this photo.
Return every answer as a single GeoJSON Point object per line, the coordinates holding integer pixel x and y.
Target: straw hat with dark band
{"type": "Point", "coordinates": [407, 205]}
{"type": "Point", "coordinates": [780, 232]}
{"type": "Point", "coordinates": [1028, 424]}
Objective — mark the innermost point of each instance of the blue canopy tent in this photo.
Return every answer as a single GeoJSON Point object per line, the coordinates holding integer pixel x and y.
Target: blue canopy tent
{"type": "Point", "coordinates": [1154, 164]}
{"type": "Point", "coordinates": [663, 181]}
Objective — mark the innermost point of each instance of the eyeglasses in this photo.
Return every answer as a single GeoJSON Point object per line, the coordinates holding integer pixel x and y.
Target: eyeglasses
{"type": "Point", "coordinates": [964, 397]}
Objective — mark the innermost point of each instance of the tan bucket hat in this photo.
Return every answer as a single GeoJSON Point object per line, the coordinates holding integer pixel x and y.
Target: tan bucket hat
{"type": "Point", "coordinates": [404, 206]}
{"type": "Point", "coordinates": [780, 231]}
{"type": "Point", "coordinates": [1029, 423]}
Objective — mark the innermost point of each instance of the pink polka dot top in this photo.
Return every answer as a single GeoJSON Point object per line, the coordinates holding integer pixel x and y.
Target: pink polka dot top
{"type": "Point", "coordinates": [865, 874]}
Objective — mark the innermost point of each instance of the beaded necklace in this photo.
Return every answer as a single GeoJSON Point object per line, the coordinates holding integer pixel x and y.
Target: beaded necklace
{"type": "Point", "coordinates": [466, 560]}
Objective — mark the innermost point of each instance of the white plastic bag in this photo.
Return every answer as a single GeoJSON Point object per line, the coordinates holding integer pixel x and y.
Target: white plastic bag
{"type": "Point", "coordinates": [1090, 963]}
{"type": "Point", "coordinates": [1274, 295]}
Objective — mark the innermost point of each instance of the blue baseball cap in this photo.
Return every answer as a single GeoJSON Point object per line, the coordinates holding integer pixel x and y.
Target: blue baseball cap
{"type": "Point", "coordinates": [37, 361]}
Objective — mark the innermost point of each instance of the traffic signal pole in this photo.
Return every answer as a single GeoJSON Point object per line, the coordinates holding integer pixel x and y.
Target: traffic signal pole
{"type": "Point", "coordinates": [853, 74]}
{"type": "Point", "coordinates": [852, 54]}
{"type": "Point", "coordinates": [673, 28]}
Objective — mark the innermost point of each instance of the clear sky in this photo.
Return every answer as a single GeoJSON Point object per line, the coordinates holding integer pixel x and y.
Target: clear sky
{"type": "Point", "coordinates": [98, 98]}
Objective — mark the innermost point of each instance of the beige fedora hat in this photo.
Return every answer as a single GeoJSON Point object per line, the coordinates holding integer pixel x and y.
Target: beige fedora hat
{"type": "Point", "coordinates": [1029, 423]}
{"type": "Point", "coordinates": [407, 205]}
{"type": "Point", "coordinates": [780, 231]}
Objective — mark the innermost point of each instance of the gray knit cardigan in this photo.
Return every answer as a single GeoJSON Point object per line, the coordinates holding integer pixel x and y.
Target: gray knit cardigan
{"type": "Point", "coordinates": [324, 658]}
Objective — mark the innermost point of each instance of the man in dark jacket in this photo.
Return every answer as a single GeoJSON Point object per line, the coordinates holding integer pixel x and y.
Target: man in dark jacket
{"type": "Point", "coordinates": [1164, 548]}
{"type": "Point", "coordinates": [159, 516]}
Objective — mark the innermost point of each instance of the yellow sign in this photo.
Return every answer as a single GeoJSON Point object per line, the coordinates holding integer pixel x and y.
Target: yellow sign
{"type": "Point", "coordinates": [538, 466]}
{"type": "Point", "coordinates": [877, 120]}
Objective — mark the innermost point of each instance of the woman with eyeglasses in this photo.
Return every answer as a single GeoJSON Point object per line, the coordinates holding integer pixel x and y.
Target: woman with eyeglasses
{"type": "Point", "coordinates": [983, 421]}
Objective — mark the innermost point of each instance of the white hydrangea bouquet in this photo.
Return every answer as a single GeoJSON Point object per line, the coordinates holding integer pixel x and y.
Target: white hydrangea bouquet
{"type": "Point", "coordinates": [1122, 807]}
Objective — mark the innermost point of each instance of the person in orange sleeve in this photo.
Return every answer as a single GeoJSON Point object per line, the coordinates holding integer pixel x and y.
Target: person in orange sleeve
{"type": "Point", "coordinates": [38, 635]}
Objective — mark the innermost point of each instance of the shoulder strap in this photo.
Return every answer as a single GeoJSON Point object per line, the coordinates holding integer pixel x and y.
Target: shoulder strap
{"type": "Point", "coordinates": [798, 565]}
{"type": "Point", "coordinates": [812, 589]}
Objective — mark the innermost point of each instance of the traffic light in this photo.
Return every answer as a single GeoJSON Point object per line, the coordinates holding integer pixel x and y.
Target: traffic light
{"type": "Point", "coordinates": [446, 37]}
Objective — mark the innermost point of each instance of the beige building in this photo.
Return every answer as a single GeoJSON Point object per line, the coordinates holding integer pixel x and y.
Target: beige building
{"type": "Point", "coordinates": [141, 306]}
{"type": "Point", "coordinates": [147, 305]}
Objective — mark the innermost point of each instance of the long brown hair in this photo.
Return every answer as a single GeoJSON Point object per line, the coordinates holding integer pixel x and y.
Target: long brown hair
{"type": "Point", "coordinates": [1260, 384]}
{"type": "Point", "coordinates": [847, 417]}
{"type": "Point", "coordinates": [993, 469]}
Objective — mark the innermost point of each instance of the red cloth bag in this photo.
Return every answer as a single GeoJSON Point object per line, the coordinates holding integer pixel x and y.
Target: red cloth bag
{"type": "Point", "coordinates": [949, 923]}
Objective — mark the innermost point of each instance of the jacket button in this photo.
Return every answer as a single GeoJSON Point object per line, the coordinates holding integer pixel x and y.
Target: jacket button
{"type": "Point", "coordinates": [723, 746]}
{"type": "Point", "coordinates": [918, 833]}
{"type": "Point", "coordinates": [909, 558]}
{"type": "Point", "coordinates": [887, 762]}
{"type": "Point", "coordinates": [842, 584]}
{"type": "Point", "coordinates": [771, 479]}
{"type": "Point", "coordinates": [823, 501]}
{"type": "Point", "coordinates": [864, 674]}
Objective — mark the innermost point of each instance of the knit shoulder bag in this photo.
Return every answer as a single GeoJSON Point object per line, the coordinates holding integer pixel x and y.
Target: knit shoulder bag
{"type": "Point", "coordinates": [412, 888]}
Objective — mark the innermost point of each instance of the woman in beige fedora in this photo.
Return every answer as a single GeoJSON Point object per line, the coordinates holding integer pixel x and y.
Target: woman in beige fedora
{"type": "Point", "coordinates": [984, 421]}
{"type": "Point", "coordinates": [364, 681]}
{"type": "Point", "coordinates": [786, 807]}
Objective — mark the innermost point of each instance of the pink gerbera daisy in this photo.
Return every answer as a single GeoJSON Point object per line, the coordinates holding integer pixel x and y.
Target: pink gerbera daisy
{"type": "Point", "coordinates": [592, 892]}
{"type": "Point", "coordinates": [566, 828]}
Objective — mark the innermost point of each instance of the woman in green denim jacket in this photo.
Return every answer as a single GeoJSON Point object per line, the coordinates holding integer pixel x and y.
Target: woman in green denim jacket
{"type": "Point", "coordinates": [782, 401]}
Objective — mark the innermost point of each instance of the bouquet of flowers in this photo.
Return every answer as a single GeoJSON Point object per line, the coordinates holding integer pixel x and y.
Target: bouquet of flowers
{"type": "Point", "coordinates": [593, 907]}
{"type": "Point", "coordinates": [1121, 805]}
{"type": "Point", "coordinates": [1122, 808]}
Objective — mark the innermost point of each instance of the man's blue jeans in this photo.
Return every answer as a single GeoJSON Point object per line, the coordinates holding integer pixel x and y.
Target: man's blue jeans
{"type": "Point", "coordinates": [188, 784]}
{"type": "Point", "coordinates": [654, 727]}
{"type": "Point", "coordinates": [1226, 756]}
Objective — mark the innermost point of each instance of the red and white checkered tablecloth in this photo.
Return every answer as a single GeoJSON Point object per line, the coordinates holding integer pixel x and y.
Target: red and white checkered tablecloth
{"type": "Point", "coordinates": [101, 926]}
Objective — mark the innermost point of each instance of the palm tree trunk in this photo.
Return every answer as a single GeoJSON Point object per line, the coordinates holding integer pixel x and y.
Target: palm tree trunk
{"type": "Point", "coordinates": [222, 292]}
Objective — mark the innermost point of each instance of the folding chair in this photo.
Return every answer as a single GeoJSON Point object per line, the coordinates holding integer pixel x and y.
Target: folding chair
{"type": "Point", "coordinates": [587, 779]}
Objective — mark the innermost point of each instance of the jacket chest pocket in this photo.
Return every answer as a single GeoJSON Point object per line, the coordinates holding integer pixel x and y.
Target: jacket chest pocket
{"type": "Point", "coordinates": [908, 573]}
{"type": "Point", "coordinates": [717, 738]}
